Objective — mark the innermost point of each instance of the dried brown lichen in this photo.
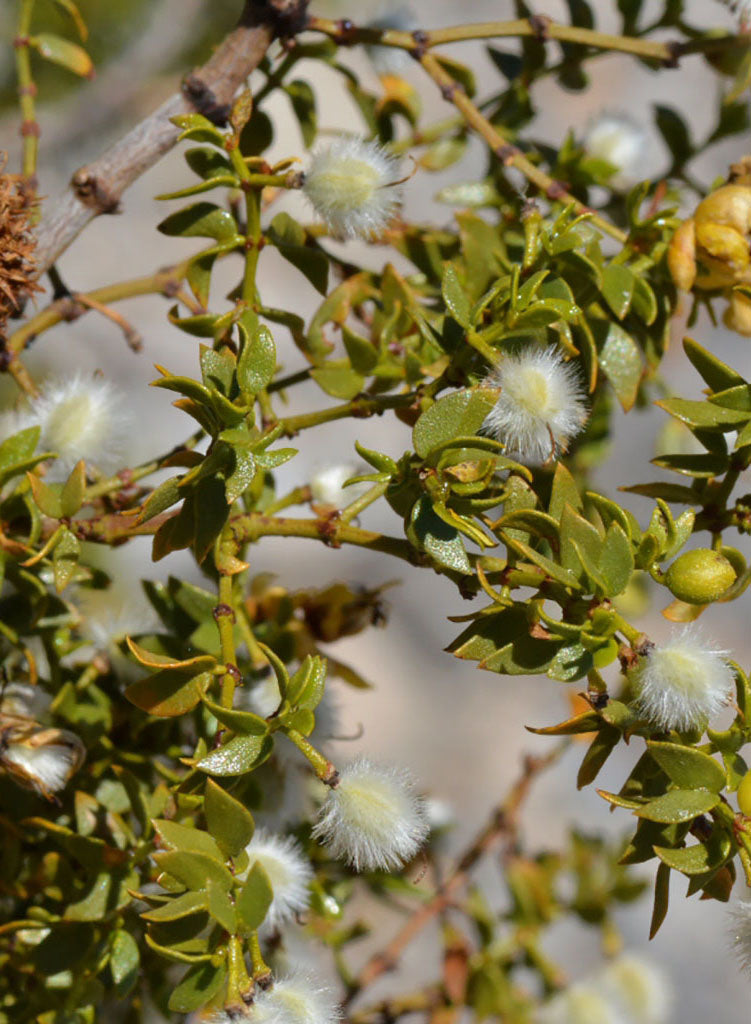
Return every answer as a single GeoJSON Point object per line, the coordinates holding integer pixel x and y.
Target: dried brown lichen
{"type": "Point", "coordinates": [17, 243]}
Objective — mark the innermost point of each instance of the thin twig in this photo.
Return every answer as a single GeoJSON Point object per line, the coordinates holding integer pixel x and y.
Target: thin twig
{"type": "Point", "coordinates": [503, 825]}
{"type": "Point", "coordinates": [508, 154]}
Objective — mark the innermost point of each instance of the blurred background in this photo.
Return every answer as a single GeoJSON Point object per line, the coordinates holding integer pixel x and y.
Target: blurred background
{"type": "Point", "coordinates": [459, 730]}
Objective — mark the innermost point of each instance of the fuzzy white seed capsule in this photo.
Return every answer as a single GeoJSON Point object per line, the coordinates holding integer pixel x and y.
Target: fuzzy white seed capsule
{"type": "Point", "coordinates": [352, 185]}
{"type": "Point", "coordinates": [327, 484]}
{"type": "Point", "coordinates": [541, 406]}
{"type": "Point", "coordinates": [289, 872]}
{"type": "Point", "coordinates": [619, 141]}
{"type": "Point", "coordinates": [580, 1004]}
{"type": "Point", "coordinates": [740, 932]}
{"type": "Point", "coordinates": [373, 818]}
{"type": "Point", "coordinates": [81, 417]}
{"type": "Point", "coordinates": [297, 999]}
{"type": "Point", "coordinates": [682, 684]}
{"type": "Point", "coordinates": [639, 987]}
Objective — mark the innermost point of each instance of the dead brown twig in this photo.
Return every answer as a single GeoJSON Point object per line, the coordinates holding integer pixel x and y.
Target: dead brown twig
{"type": "Point", "coordinates": [503, 824]}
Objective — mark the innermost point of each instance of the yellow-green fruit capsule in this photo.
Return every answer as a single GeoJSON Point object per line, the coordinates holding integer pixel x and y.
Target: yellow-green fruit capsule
{"type": "Point", "coordinates": [698, 577]}
{"type": "Point", "coordinates": [744, 795]}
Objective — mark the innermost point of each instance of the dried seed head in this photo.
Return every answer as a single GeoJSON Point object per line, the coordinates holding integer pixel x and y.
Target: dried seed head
{"type": "Point", "coordinates": [38, 758]}
{"type": "Point", "coordinates": [17, 244]}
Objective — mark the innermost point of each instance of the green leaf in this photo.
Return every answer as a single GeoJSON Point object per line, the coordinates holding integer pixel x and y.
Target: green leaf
{"type": "Point", "coordinates": [254, 899]}
{"type": "Point", "coordinates": [198, 986]}
{"type": "Point", "coordinates": [243, 722]}
{"type": "Point", "coordinates": [46, 496]}
{"type": "Point", "coordinates": [170, 692]}
{"type": "Point", "coordinates": [303, 102]}
{"type": "Point", "coordinates": [182, 837]}
{"type": "Point", "coordinates": [257, 361]}
{"type": "Point", "coordinates": [599, 750]}
{"type": "Point", "coordinates": [688, 767]}
{"type": "Point", "coordinates": [662, 896]}
{"type": "Point", "coordinates": [617, 288]}
{"type": "Point", "coordinates": [621, 361]}
{"type": "Point", "coordinates": [697, 859]}
{"type": "Point", "coordinates": [673, 129]}
{"type": "Point", "coordinates": [242, 754]}
{"type": "Point", "coordinates": [679, 805]}
{"type": "Point", "coordinates": [160, 499]}
{"type": "Point", "coordinates": [460, 414]}
{"type": "Point", "coordinates": [229, 821]}
{"type": "Point", "coordinates": [179, 906]}
{"type": "Point", "coordinates": [383, 463]}
{"type": "Point", "coordinates": [290, 239]}
{"type": "Point", "coordinates": [704, 414]}
{"type": "Point", "coordinates": [432, 534]}
{"type": "Point", "coordinates": [74, 489]}
{"type": "Point", "coordinates": [616, 560]}
{"type": "Point", "coordinates": [220, 908]}
{"type": "Point", "coordinates": [337, 378]}
{"type": "Point", "coordinates": [61, 51]}
{"type": "Point", "coordinates": [205, 220]}
{"type": "Point", "coordinates": [456, 300]}
{"type": "Point", "coordinates": [124, 960]}
{"type": "Point", "coordinates": [715, 373]}
{"type": "Point", "coordinates": [65, 559]}
{"type": "Point", "coordinates": [194, 870]}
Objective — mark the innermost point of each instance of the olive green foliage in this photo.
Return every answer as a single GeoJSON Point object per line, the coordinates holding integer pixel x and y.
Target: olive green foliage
{"type": "Point", "coordinates": [132, 887]}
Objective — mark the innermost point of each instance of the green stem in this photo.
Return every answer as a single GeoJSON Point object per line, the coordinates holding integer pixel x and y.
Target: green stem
{"type": "Point", "coordinates": [349, 512]}
{"type": "Point", "coordinates": [361, 407]}
{"type": "Point", "coordinates": [297, 496]}
{"type": "Point", "coordinates": [323, 768]}
{"type": "Point", "coordinates": [238, 981]}
{"type": "Point", "coordinates": [126, 477]}
{"type": "Point", "coordinates": [224, 614]}
{"type": "Point", "coordinates": [630, 632]}
{"type": "Point", "coordinates": [258, 966]}
{"type": "Point", "coordinates": [541, 28]}
{"type": "Point", "coordinates": [27, 92]}
{"type": "Point", "coordinates": [286, 382]}
{"type": "Point", "coordinates": [250, 528]}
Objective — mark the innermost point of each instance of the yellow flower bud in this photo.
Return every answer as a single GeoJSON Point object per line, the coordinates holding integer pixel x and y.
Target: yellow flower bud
{"type": "Point", "coordinates": [700, 576]}
{"type": "Point", "coordinates": [738, 314]}
{"type": "Point", "coordinates": [744, 795]}
{"type": "Point", "coordinates": [682, 256]}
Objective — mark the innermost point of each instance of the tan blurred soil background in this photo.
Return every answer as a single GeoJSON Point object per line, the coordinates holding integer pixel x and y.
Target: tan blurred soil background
{"type": "Point", "coordinates": [460, 730]}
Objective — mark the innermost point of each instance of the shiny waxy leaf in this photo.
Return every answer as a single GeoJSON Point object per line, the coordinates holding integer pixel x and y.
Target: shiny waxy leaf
{"type": "Point", "coordinates": [439, 540]}
{"type": "Point", "coordinates": [240, 755]}
{"type": "Point", "coordinates": [198, 987]}
{"type": "Point", "coordinates": [204, 220]}
{"type": "Point", "coordinates": [622, 363]}
{"type": "Point", "coordinates": [228, 821]}
{"type": "Point", "coordinates": [679, 805]}
{"type": "Point", "coordinates": [169, 692]}
{"type": "Point", "coordinates": [174, 836]}
{"type": "Point", "coordinates": [124, 960]}
{"type": "Point", "coordinates": [254, 899]}
{"type": "Point", "coordinates": [61, 51]}
{"type": "Point", "coordinates": [458, 415]}
{"type": "Point", "coordinates": [687, 767]}
{"type": "Point", "coordinates": [194, 870]}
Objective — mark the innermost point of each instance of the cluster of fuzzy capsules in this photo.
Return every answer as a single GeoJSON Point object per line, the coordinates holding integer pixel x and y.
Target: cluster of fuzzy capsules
{"type": "Point", "coordinates": [627, 991]}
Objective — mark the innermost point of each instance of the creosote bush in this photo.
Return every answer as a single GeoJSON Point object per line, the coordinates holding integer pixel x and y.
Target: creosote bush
{"type": "Point", "coordinates": [178, 843]}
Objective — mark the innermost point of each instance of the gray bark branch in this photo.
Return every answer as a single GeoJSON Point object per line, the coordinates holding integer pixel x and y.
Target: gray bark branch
{"type": "Point", "coordinates": [98, 187]}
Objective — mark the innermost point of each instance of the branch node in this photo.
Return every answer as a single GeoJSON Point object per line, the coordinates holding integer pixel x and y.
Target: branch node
{"type": "Point", "coordinates": [676, 52]}
{"type": "Point", "coordinates": [91, 191]}
{"type": "Point", "coordinates": [556, 190]}
{"type": "Point", "coordinates": [540, 25]}
{"type": "Point", "coordinates": [286, 17]}
{"type": "Point", "coordinates": [30, 128]}
{"type": "Point", "coordinates": [420, 48]}
{"type": "Point", "coordinates": [203, 99]}
{"type": "Point", "coordinates": [506, 153]}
